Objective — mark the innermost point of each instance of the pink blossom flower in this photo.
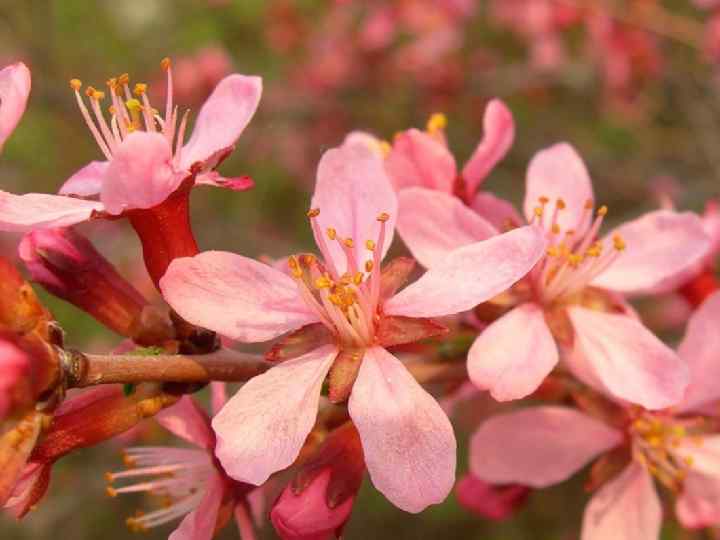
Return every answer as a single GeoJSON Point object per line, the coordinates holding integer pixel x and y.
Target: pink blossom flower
{"type": "Point", "coordinates": [14, 92]}
{"type": "Point", "coordinates": [541, 446]}
{"type": "Point", "coordinates": [200, 492]}
{"type": "Point", "coordinates": [147, 159]}
{"type": "Point", "coordinates": [348, 311]}
{"type": "Point", "coordinates": [571, 300]}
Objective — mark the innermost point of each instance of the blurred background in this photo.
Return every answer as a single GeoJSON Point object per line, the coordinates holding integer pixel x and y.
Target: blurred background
{"type": "Point", "coordinates": [631, 83]}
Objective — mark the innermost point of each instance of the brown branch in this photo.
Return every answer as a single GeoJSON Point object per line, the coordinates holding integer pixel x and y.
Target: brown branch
{"type": "Point", "coordinates": [224, 365]}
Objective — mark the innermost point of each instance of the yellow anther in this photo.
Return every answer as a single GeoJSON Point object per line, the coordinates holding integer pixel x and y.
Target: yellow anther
{"type": "Point", "coordinates": [165, 63]}
{"type": "Point", "coordinates": [295, 267]}
{"type": "Point", "coordinates": [111, 83]}
{"type": "Point", "coordinates": [602, 210]}
{"type": "Point", "coordinates": [123, 79]}
{"type": "Point", "coordinates": [133, 105]}
{"type": "Point", "coordinates": [595, 250]}
{"type": "Point", "coordinates": [553, 251]}
{"type": "Point", "coordinates": [358, 278]}
{"type": "Point", "coordinates": [370, 245]}
{"type": "Point", "coordinates": [383, 217]}
{"type": "Point", "coordinates": [655, 441]}
{"type": "Point", "coordinates": [307, 260]}
{"type": "Point", "coordinates": [679, 431]}
{"type": "Point", "coordinates": [543, 200]}
{"type": "Point", "coordinates": [538, 210]}
{"type": "Point", "coordinates": [560, 204]}
{"type": "Point", "coordinates": [588, 204]}
{"type": "Point", "coordinates": [689, 461]}
{"type": "Point", "coordinates": [98, 95]}
{"type": "Point", "coordinates": [140, 89]}
{"type": "Point", "coordinates": [436, 122]}
{"type": "Point", "coordinates": [369, 265]}
{"type": "Point", "coordinates": [90, 91]}
{"type": "Point", "coordinates": [109, 477]}
{"type": "Point", "coordinates": [111, 491]}
{"type": "Point", "coordinates": [574, 259]}
{"type": "Point", "coordinates": [323, 283]}
{"type": "Point", "coordinates": [332, 233]}
{"type": "Point", "coordinates": [555, 229]}
{"type": "Point", "coordinates": [336, 299]}
{"type": "Point", "coordinates": [75, 84]}
{"type": "Point", "coordinates": [349, 242]}
{"type": "Point", "coordinates": [618, 242]}
{"type": "Point", "coordinates": [385, 148]}
{"type": "Point", "coordinates": [313, 212]}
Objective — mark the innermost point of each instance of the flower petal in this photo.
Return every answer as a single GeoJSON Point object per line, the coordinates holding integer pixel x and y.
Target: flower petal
{"type": "Point", "coordinates": [703, 452]}
{"type": "Point", "coordinates": [263, 427]}
{"type": "Point", "coordinates": [470, 275]}
{"type": "Point", "coordinates": [538, 446]}
{"type": "Point", "coordinates": [420, 160]}
{"type": "Point", "coordinates": [87, 182]}
{"type": "Point", "coordinates": [407, 439]}
{"type": "Point", "coordinates": [513, 355]}
{"type": "Point", "coordinates": [14, 91]}
{"type": "Point", "coordinates": [187, 420]}
{"type": "Point", "coordinates": [498, 136]}
{"type": "Point", "coordinates": [432, 224]}
{"type": "Point", "coordinates": [24, 213]}
{"type": "Point", "coordinates": [200, 524]}
{"type": "Point", "coordinates": [140, 174]}
{"type": "Point", "coordinates": [627, 508]}
{"type": "Point", "coordinates": [222, 118]}
{"type": "Point", "coordinates": [699, 503]}
{"type": "Point", "coordinates": [499, 212]}
{"type": "Point", "coordinates": [558, 172]}
{"type": "Point", "coordinates": [213, 178]}
{"type": "Point", "coordinates": [234, 296]}
{"type": "Point", "coordinates": [352, 189]}
{"type": "Point", "coordinates": [628, 359]}
{"type": "Point", "coordinates": [660, 244]}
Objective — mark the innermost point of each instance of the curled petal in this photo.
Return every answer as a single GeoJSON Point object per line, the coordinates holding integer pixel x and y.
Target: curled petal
{"type": "Point", "coordinates": [407, 439]}
{"type": "Point", "coordinates": [87, 182]}
{"type": "Point", "coordinates": [538, 446]}
{"type": "Point", "coordinates": [470, 275]}
{"type": "Point", "coordinates": [24, 213]}
{"type": "Point", "coordinates": [212, 178]}
{"type": "Point", "coordinates": [14, 91]}
{"type": "Point", "coordinates": [234, 296]}
{"type": "Point", "coordinates": [263, 427]}
{"type": "Point", "coordinates": [420, 160]}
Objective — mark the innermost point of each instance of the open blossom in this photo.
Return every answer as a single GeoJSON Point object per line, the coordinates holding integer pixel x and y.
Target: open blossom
{"type": "Point", "coordinates": [146, 156]}
{"type": "Point", "coordinates": [540, 446]}
{"type": "Point", "coordinates": [197, 489]}
{"type": "Point", "coordinates": [571, 300]}
{"type": "Point", "coordinates": [14, 92]}
{"type": "Point", "coordinates": [348, 311]}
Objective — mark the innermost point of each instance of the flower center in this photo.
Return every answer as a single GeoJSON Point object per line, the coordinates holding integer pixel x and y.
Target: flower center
{"type": "Point", "coordinates": [346, 303]}
{"type": "Point", "coordinates": [572, 260]}
{"type": "Point", "coordinates": [129, 112]}
{"type": "Point", "coordinates": [179, 476]}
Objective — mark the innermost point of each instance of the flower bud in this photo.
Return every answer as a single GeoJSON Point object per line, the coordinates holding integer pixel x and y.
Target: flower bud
{"type": "Point", "coordinates": [488, 501]}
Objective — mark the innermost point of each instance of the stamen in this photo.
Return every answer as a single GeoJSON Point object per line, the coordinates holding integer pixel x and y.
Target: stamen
{"type": "Point", "coordinates": [166, 65]}
{"type": "Point", "coordinates": [75, 84]}
{"type": "Point", "coordinates": [436, 123]}
{"type": "Point", "coordinates": [322, 245]}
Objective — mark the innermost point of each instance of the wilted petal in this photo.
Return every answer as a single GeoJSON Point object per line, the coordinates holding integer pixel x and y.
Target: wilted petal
{"type": "Point", "coordinates": [23, 213]}
{"type": "Point", "coordinates": [213, 178]}
{"type": "Point", "coordinates": [513, 355]}
{"type": "Point", "coordinates": [558, 172]}
{"type": "Point", "coordinates": [234, 296]}
{"type": "Point", "coordinates": [87, 182]}
{"type": "Point", "coordinates": [538, 446]}
{"type": "Point", "coordinates": [352, 190]}
{"type": "Point", "coordinates": [187, 420]}
{"type": "Point", "coordinates": [628, 359]}
{"type": "Point", "coordinates": [263, 427]}
{"type": "Point", "coordinates": [432, 224]}
{"type": "Point", "coordinates": [14, 92]}
{"type": "Point", "coordinates": [470, 275]}
{"type": "Point", "coordinates": [222, 118]}
{"type": "Point", "coordinates": [499, 132]}
{"type": "Point", "coordinates": [660, 245]}
{"type": "Point", "coordinates": [499, 212]}
{"type": "Point", "coordinates": [420, 160]}
{"type": "Point", "coordinates": [627, 508]}
{"type": "Point", "coordinates": [407, 439]}
{"type": "Point", "coordinates": [16, 445]}
{"type": "Point", "coordinates": [200, 523]}
{"type": "Point", "coordinates": [140, 174]}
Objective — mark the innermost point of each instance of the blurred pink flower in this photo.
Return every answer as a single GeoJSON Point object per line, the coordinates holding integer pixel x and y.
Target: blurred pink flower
{"type": "Point", "coordinates": [675, 446]}
{"type": "Point", "coordinates": [572, 296]}
{"type": "Point", "coordinates": [14, 92]}
{"type": "Point", "coordinates": [407, 439]}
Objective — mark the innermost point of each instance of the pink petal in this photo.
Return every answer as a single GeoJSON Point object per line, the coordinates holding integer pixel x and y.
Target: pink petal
{"type": "Point", "coordinates": [407, 439]}
{"type": "Point", "coordinates": [628, 359]}
{"type": "Point", "coordinates": [218, 396]}
{"type": "Point", "coordinates": [627, 508]}
{"type": "Point", "coordinates": [432, 224]}
{"type": "Point", "coordinates": [660, 244]}
{"type": "Point", "coordinates": [222, 118]}
{"type": "Point", "coordinates": [352, 190]}
{"type": "Point", "coordinates": [501, 213]}
{"type": "Point", "coordinates": [699, 348]}
{"type": "Point", "coordinates": [538, 446]}
{"type": "Point", "coordinates": [140, 174]}
{"type": "Point", "coordinates": [263, 427]}
{"type": "Point", "coordinates": [213, 178]}
{"type": "Point", "coordinates": [87, 182]}
{"type": "Point", "coordinates": [187, 420]}
{"type": "Point", "coordinates": [699, 503]}
{"type": "Point", "coordinates": [488, 501]}
{"type": "Point", "coordinates": [704, 453]}
{"type": "Point", "coordinates": [234, 296]}
{"type": "Point", "coordinates": [513, 355]}
{"type": "Point", "coordinates": [14, 91]}
{"type": "Point", "coordinates": [470, 275]}
{"type": "Point", "coordinates": [499, 132]}
{"type": "Point", "coordinates": [200, 523]}
{"type": "Point", "coordinates": [558, 172]}
{"type": "Point", "coordinates": [420, 160]}
{"type": "Point", "coordinates": [24, 213]}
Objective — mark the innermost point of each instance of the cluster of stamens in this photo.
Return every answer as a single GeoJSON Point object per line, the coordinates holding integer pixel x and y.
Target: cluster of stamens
{"type": "Point", "coordinates": [571, 260]}
{"type": "Point", "coordinates": [346, 303]}
{"type": "Point", "coordinates": [178, 476]}
{"type": "Point", "coordinates": [129, 112]}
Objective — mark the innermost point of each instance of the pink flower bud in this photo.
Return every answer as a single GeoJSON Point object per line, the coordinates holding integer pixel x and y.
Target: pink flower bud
{"type": "Point", "coordinates": [491, 502]}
